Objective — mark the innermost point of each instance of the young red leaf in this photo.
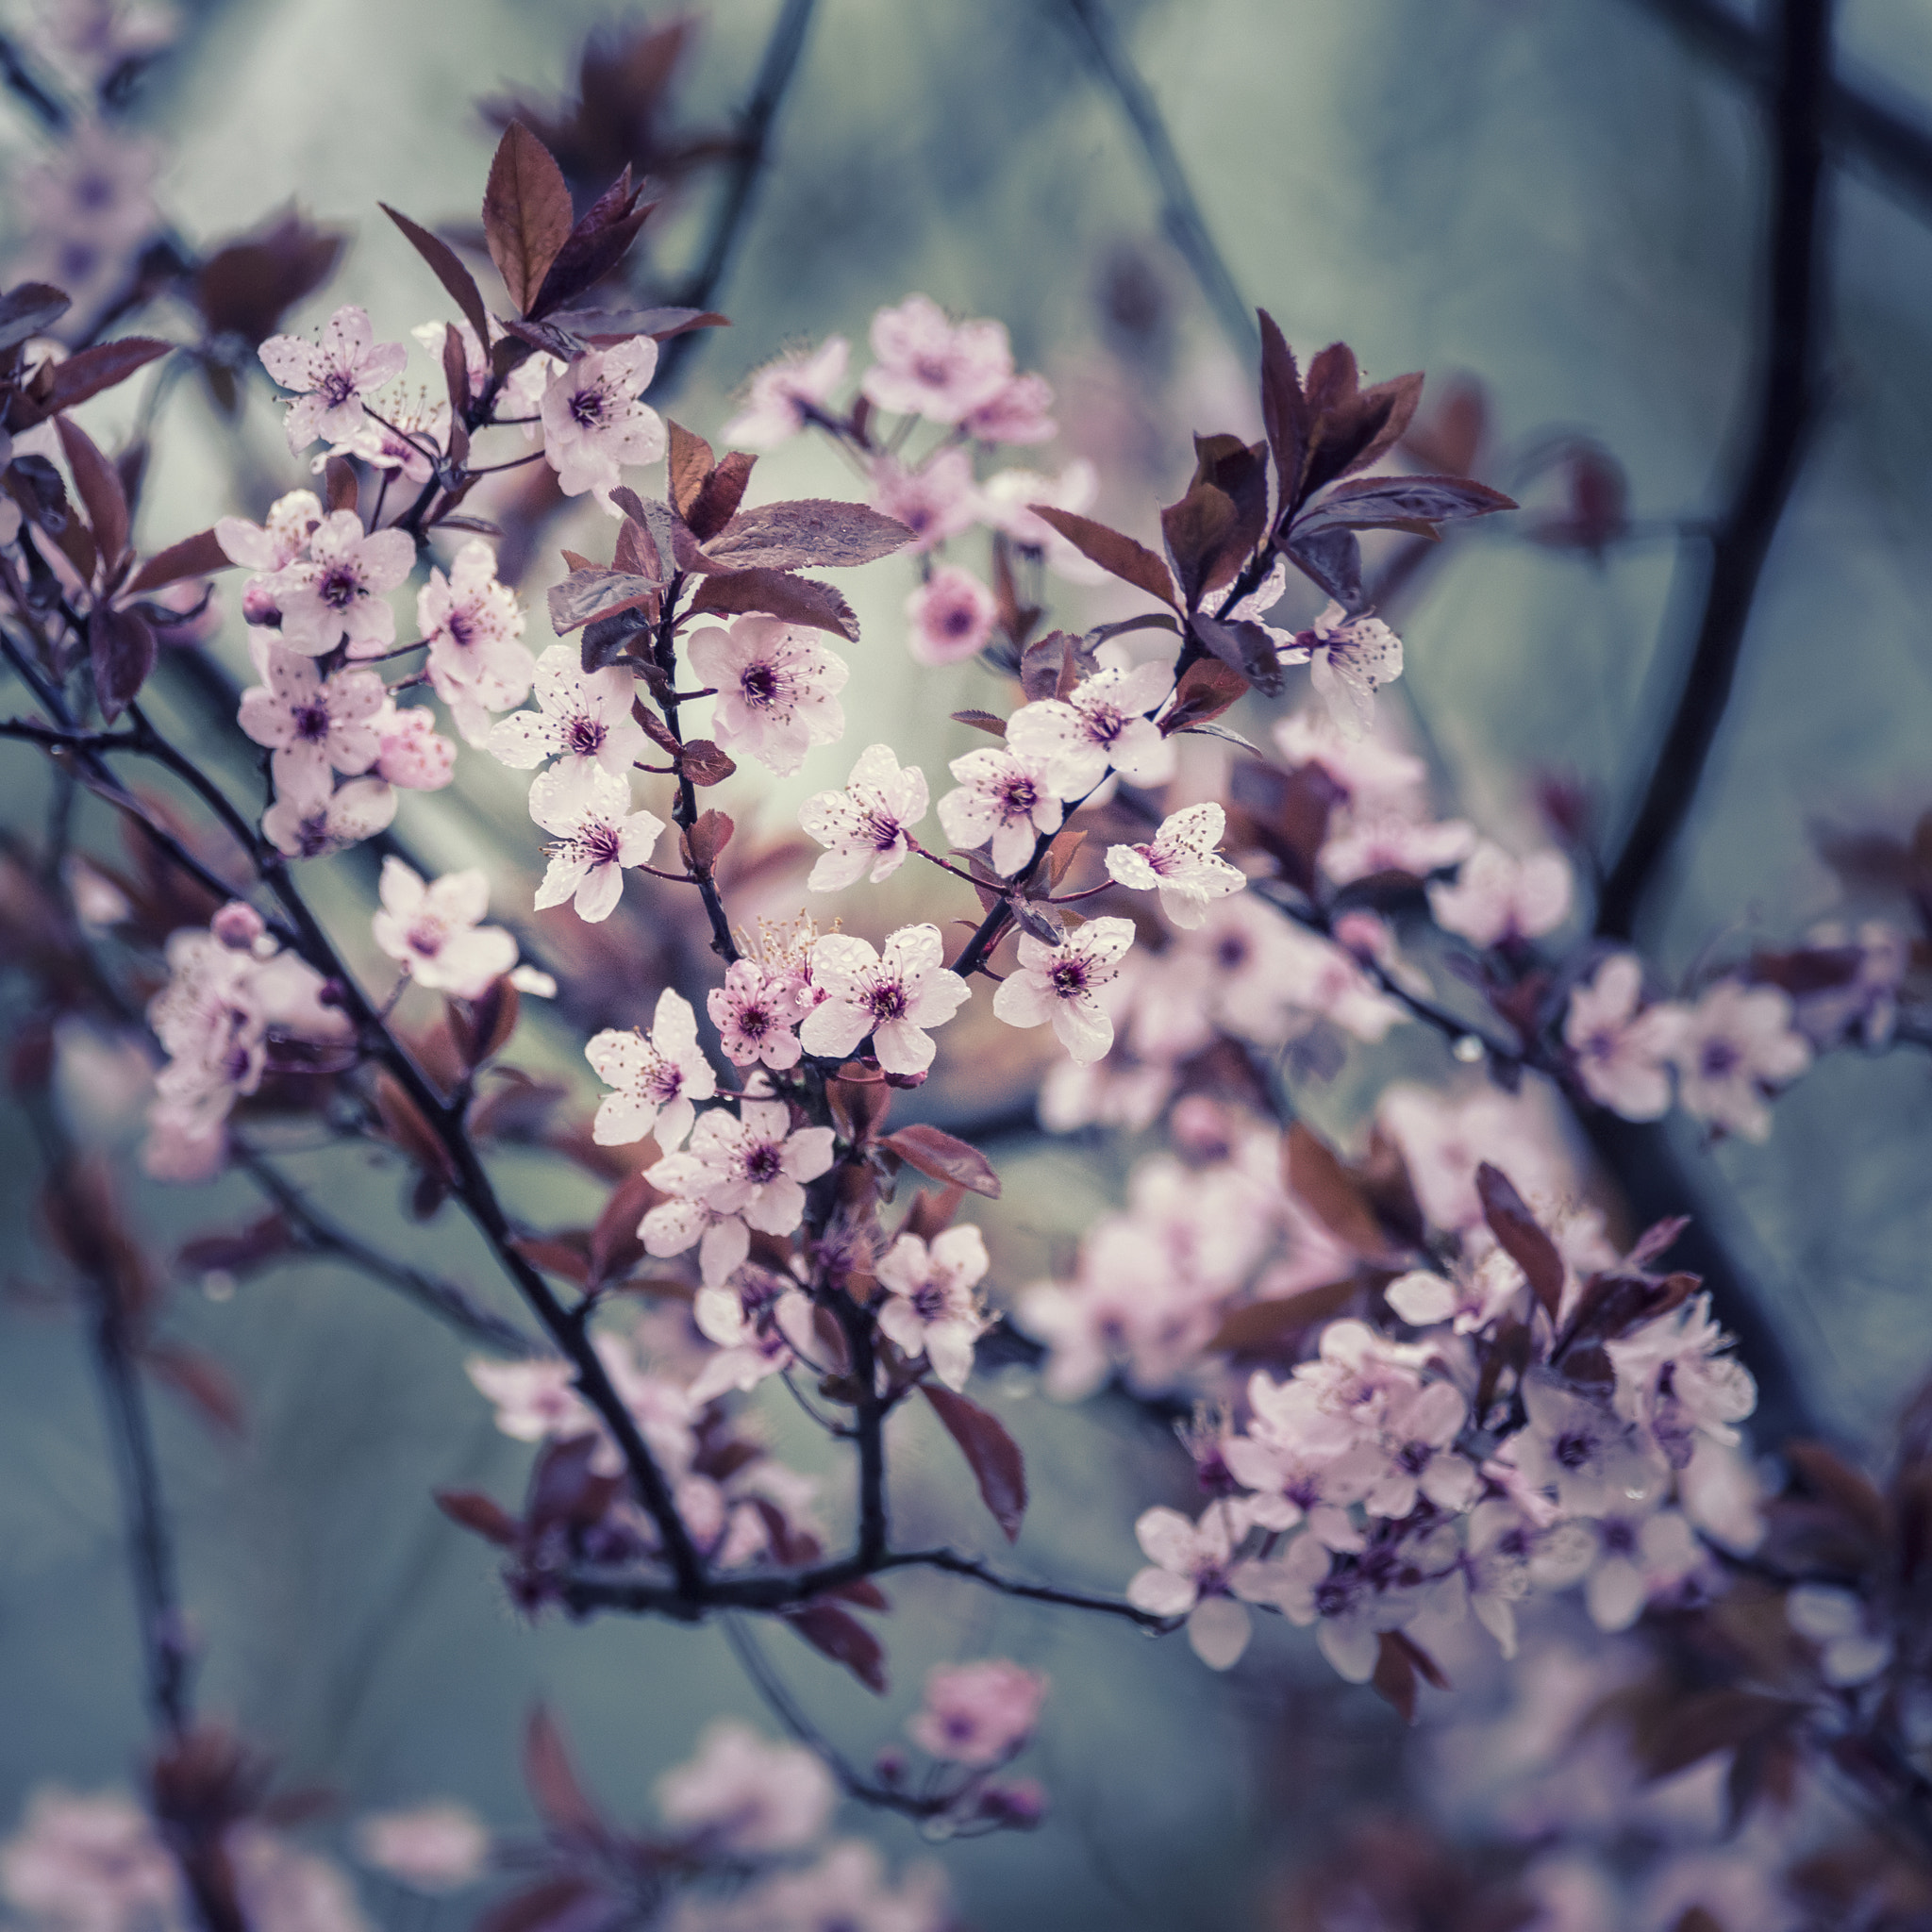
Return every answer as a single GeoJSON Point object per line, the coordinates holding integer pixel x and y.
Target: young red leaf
{"type": "Point", "coordinates": [602, 328]}
{"type": "Point", "coordinates": [992, 1455]}
{"type": "Point", "coordinates": [483, 1515]}
{"type": "Point", "coordinates": [121, 650]}
{"type": "Point", "coordinates": [1521, 1237]}
{"type": "Point", "coordinates": [100, 490]}
{"type": "Point", "coordinates": [1369, 503]}
{"type": "Point", "coordinates": [842, 1637]}
{"type": "Point", "coordinates": [87, 372]}
{"type": "Point", "coordinates": [406, 1126]}
{"type": "Point", "coordinates": [704, 763]}
{"type": "Point", "coordinates": [199, 555]}
{"type": "Point", "coordinates": [448, 268]}
{"type": "Point", "coordinates": [1208, 688]}
{"type": "Point", "coordinates": [985, 720]}
{"type": "Point", "coordinates": [723, 490]}
{"type": "Point", "coordinates": [708, 837]}
{"type": "Point", "coordinates": [1330, 555]}
{"type": "Point", "coordinates": [248, 1247]}
{"type": "Point", "coordinates": [1329, 1191]}
{"type": "Point", "coordinates": [1394, 1675]}
{"type": "Point", "coordinates": [594, 246]}
{"type": "Point", "coordinates": [526, 213]}
{"type": "Point", "coordinates": [688, 464]}
{"type": "Point", "coordinates": [1199, 532]}
{"type": "Point", "coordinates": [941, 1157]}
{"type": "Point", "coordinates": [813, 534]}
{"type": "Point", "coordinates": [586, 595]}
{"type": "Point", "coordinates": [1118, 554]}
{"type": "Point", "coordinates": [31, 310]}
{"type": "Point", "coordinates": [776, 594]}
{"type": "Point", "coordinates": [1262, 1327]}
{"type": "Point", "coordinates": [338, 484]}
{"type": "Point", "coordinates": [1284, 410]}
{"type": "Point", "coordinates": [554, 1788]}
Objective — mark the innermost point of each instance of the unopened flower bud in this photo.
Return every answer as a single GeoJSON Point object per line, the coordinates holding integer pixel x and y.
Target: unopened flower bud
{"type": "Point", "coordinates": [238, 926]}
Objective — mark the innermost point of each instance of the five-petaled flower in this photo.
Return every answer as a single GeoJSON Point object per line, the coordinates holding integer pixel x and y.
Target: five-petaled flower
{"type": "Point", "coordinates": [1002, 798]}
{"type": "Point", "coordinates": [979, 1714]}
{"type": "Point", "coordinates": [931, 1307]}
{"type": "Point", "coordinates": [1349, 659]}
{"type": "Point", "coordinates": [778, 688]}
{"type": "Point", "coordinates": [308, 721]}
{"type": "Point", "coordinates": [1737, 1041]}
{"type": "Point", "coordinates": [893, 997]}
{"type": "Point", "coordinates": [929, 366]}
{"type": "Point", "coordinates": [474, 626]}
{"type": "Point", "coordinates": [308, 820]}
{"type": "Point", "coordinates": [268, 547]}
{"type": "Point", "coordinates": [952, 615]}
{"type": "Point", "coordinates": [434, 930]}
{"type": "Point", "coordinates": [341, 592]}
{"type": "Point", "coordinates": [1498, 899]}
{"type": "Point", "coordinates": [783, 396]}
{"type": "Point", "coordinates": [597, 835]}
{"type": "Point", "coordinates": [582, 718]}
{"type": "Point", "coordinates": [1063, 984]}
{"type": "Point", "coordinates": [1624, 1048]}
{"type": "Point", "coordinates": [593, 424]}
{"type": "Point", "coordinates": [756, 1014]}
{"type": "Point", "coordinates": [864, 828]}
{"type": "Point", "coordinates": [936, 501]}
{"type": "Point", "coordinates": [1190, 1573]}
{"type": "Point", "coordinates": [656, 1077]}
{"type": "Point", "coordinates": [1100, 724]}
{"type": "Point", "coordinates": [1181, 862]}
{"type": "Point", "coordinates": [332, 377]}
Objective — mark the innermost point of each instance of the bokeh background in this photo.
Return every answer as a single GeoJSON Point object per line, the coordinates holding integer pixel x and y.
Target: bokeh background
{"type": "Point", "coordinates": [1560, 205]}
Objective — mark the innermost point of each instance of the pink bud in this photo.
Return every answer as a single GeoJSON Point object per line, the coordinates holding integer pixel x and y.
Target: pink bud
{"type": "Point", "coordinates": [238, 926]}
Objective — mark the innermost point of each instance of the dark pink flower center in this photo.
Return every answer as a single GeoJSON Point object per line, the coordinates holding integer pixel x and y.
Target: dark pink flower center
{"type": "Point", "coordinates": [1068, 977]}
{"type": "Point", "coordinates": [585, 737]}
{"type": "Point", "coordinates": [338, 387]}
{"type": "Point", "coordinates": [886, 1001]}
{"type": "Point", "coordinates": [587, 408]}
{"type": "Point", "coordinates": [1720, 1058]}
{"type": "Point", "coordinates": [339, 588]}
{"type": "Point", "coordinates": [757, 684]}
{"type": "Point", "coordinates": [763, 1162]}
{"type": "Point", "coordinates": [599, 844]}
{"type": "Point", "coordinates": [310, 722]}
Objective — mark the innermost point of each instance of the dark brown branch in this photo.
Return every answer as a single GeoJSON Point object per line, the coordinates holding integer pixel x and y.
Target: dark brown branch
{"type": "Point", "coordinates": [1785, 404]}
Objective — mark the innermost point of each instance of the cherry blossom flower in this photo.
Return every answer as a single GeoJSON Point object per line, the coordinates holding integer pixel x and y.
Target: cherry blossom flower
{"type": "Point", "coordinates": [894, 997]}
{"type": "Point", "coordinates": [1100, 724]}
{"type": "Point", "coordinates": [1008, 502]}
{"type": "Point", "coordinates": [1310, 1473]}
{"type": "Point", "coordinates": [94, 1863]}
{"type": "Point", "coordinates": [750, 1167]}
{"type": "Point", "coordinates": [1851, 1652]}
{"type": "Point", "coordinates": [979, 1714]}
{"type": "Point", "coordinates": [474, 626]}
{"type": "Point", "coordinates": [1674, 1377]}
{"type": "Point", "coordinates": [582, 718]}
{"type": "Point", "coordinates": [761, 1323]}
{"type": "Point", "coordinates": [435, 1848]}
{"type": "Point", "coordinates": [674, 1225]}
{"type": "Point", "coordinates": [434, 930]}
{"type": "Point", "coordinates": [1735, 1041]}
{"type": "Point", "coordinates": [747, 1796]}
{"type": "Point", "coordinates": [1581, 1450]}
{"type": "Point", "coordinates": [535, 1400]}
{"type": "Point", "coordinates": [936, 501]}
{"type": "Point", "coordinates": [778, 688]}
{"type": "Point", "coordinates": [593, 424]}
{"type": "Point", "coordinates": [1350, 659]}
{"type": "Point", "coordinates": [1376, 776]}
{"type": "Point", "coordinates": [1865, 1006]}
{"type": "Point", "coordinates": [1635, 1551]}
{"type": "Point", "coordinates": [413, 755]}
{"type": "Point", "coordinates": [310, 820]}
{"type": "Point", "coordinates": [268, 546]}
{"type": "Point", "coordinates": [1181, 862]}
{"type": "Point", "coordinates": [846, 1892]}
{"type": "Point", "coordinates": [1623, 1049]}
{"type": "Point", "coordinates": [756, 1014]}
{"type": "Point", "coordinates": [341, 592]}
{"type": "Point", "coordinates": [1360, 845]}
{"type": "Point", "coordinates": [1190, 1571]}
{"type": "Point", "coordinates": [1015, 413]}
{"type": "Point", "coordinates": [1004, 799]}
{"type": "Point", "coordinates": [931, 1308]}
{"type": "Point", "coordinates": [782, 397]}
{"type": "Point", "coordinates": [1498, 898]}
{"type": "Point", "coordinates": [864, 828]}
{"type": "Point", "coordinates": [952, 614]}
{"type": "Point", "coordinates": [596, 836]}
{"type": "Point", "coordinates": [1059, 984]}
{"type": "Point", "coordinates": [929, 366]}
{"type": "Point", "coordinates": [79, 217]}
{"type": "Point", "coordinates": [310, 722]}
{"type": "Point", "coordinates": [656, 1077]}
{"type": "Point", "coordinates": [1417, 1431]}
{"type": "Point", "coordinates": [332, 377]}
{"type": "Point", "coordinates": [410, 444]}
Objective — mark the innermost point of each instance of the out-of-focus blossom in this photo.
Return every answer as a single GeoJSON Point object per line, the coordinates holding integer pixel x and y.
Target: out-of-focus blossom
{"type": "Point", "coordinates": [952, 614]}
{"type": "Point", "coordinates": [281, 1887]}
{"type": "Point", "coordinates": [782, 396]}
{"type": "Point", "coordinates": [979, 1714]}
{"type": "Point", "coordinates": [1015, 413]}
{"type": "Point", "coordinates": [1850, 1649]}
{"type": "Point", "coordinates": [929, 365]}
{"type": "Point", "coordinates": [434, 930]}
{"type": "Point", "coordinates": [1189, 1573]}
{"type": "Point", "coordinates": [747, 1796]}
{"type": "Point", "coordinates": [435, 1848]}
{"type": "Point", "coordinates": [1737, 1041]}
{"type": "Point", "coordinates": [1623, 1049]}
{"type": "Point", "coordinates": [92, 1864]}
{"type": "Point", "coordinates": [1008, 499]}
{"type": "Point", "coordinates": [1497, 898]}
{"type": "Point", "coordinates": [936, 501]}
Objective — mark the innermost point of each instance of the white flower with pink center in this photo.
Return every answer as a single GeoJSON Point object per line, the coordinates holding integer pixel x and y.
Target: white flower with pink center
{"type": "Point", "coordinates": [746, 1795]}
{"type": "Point", "coordinates": [783, 396]}
{"type": "Point", "coordinates": [978, 1714]}
{"type": "Point", "coordinates": [410, 443]}
{"type": "Point", "coordinates": [535, 1400]}
{"type": "Point", "coordinates": [414, 753]}
{"type": "Point", "coordinates": [952, 615]}
{"type": "Point", "coordinates": [1736, 1043]}
{"type": "Point", "coordinates": [1624, 1048]}
{"type": "Point", "coordinates": [755, 1165]}
{"type": "Point", "coordinates": [1180, 862]}
{"type": "Point", "coordinates": [936, 501]}
{"type": "Point", "coordinates": [597, 835]}
{"type": "Point", "coordinates": [1061, 985]}
{"type": "Point", "coordinates": [593, 424]}
{"type": "Point", "coordinates": [1003, 801]}
{"type": "Point", "coordinates": [474, 626]}
{"type": "Point", "coordinates": [674, 1225]}
{"type": "Point", "coordinates": [866, 828]}
{"type": "Point", "coordinates": [1498, 899]}
{"type": "Point", "coordinates": [1190, 1573]}
{"type": "Point", "coordinates": [929, 365]}
{"type": "Point", "coordinates": [1015, 413]}
{"type": "Point", "coordinates": [756, 1014]}
{"type": "Point", "coordinates": [434, 930]}
{"type": "Point", "coordinates": [332, 377]}
{"type": "Point", "coordinates": [1418, 1429]}
{"type": "Point", "coordinates": [1349, 659]}
{"type": "Point", "coordinates": [1008, 502]}
{"type": "Point", "coordinates": [308, 820]}
{"type": "Point", "coordinates": [932, 1307]}
{"type": "Point", "coordinates": [583, 719]}
{"type": "Point", "coordinates": [341, 595]}
{"type": "Point", "coordinates": [1101, 724]}
{"type": "Point", "coordinates": [656, 1077]}
{"type": "Point", "coordinates": [894, 997]}
{"type": "Point", "coordinates": [778, 688]}
{"type": "Point", "coordinates": [310, 722]}
{"type": "Point", "coordinates": [761, 1323]}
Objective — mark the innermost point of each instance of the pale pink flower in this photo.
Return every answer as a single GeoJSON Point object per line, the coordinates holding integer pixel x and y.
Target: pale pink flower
{"type": "Point", "coordinates": [778, 688]}
{"type": "Point", "coordinates": [310, 722]}
{"type": "Point", "coordinates": [342, 593]}
{"type": "Point", "coordinates": [1309, 1474]}
{"type": "Point", "coordinates": [1060, 984]}
{"type": "Point", "coordinates": [281, 1887]}
{"type": "Point", "coordinates": [1101, 724]}
{"type": "Point", "coordinates": [979, 1714]}
{"type": "Point", "coordinates": [1589, 1458]}
{"type": "Point", "coordinates": [1004, 799]}
{"type": "Point", "coordinates": [1360, 844]}
{"type": "Point", "coordinates": [1181, 863]}
{"type": "Point", "coordinates": [1350, 659]}
{"type": "Point", "coordinates": [1850, 1649]}
{"type": "Point", "coordinates": [91, 1864]}
{"type": "Point", "coordinates": [596, 836]}
{"type": "Point", "coordinates": [1737, 1041]}
{"type": "Point", "coordinates": [935, 501]}
{"type": "Point", "coordinates": [656, 1077]}
{"type": "Point", "coordinates": [414, 754]}
{"type": "Point", "coordinates": [310, 820]}
{"type": "Point", "coordinates": [1015, 413]}
{"type": "Point", "coordinates": [674, 1225]}
{"type": "Point", "coordinates": [864, 828]}
{"type": "Point", "coordinates": [1498, 898]}
{"type": "Point", "coordinates": [593, 424]}
{"type": "Point", "coordinates": [434, 1848]}
{"type": "Point", "coordinates": [782, 397]}
{"type": "Point", "coordinates": [746, 1795]}
{"type": "Point", "coordinates": [583, 718]}
{"type": "Point", "coordinates": [1635, 1553]}
{"type": "Point", "coordinates": [410, 443]}
{"type": "Point", "coordinates": [535, 1400]}
{"type": "Point", "coordinates": [1624, 1048]}
{"type": "Point", "coordinates": [1190, 1573]}
{"type": "Point", "coordinates": [268, 546]}
{"type": "Point", "coordinates": [333, 376]}
{"type": "Point", "coordinates": [1417, 1432]}
{"type": "Point", "coordinates": [751, 1166]}
{"type": "Point", "coordinates": [1008, 501]}
{"type": "Point", "coordinates": [1675, 1379]}
{"type": "Point", "coordinates": [1378, 779]}
{"type": "Point", "coordinates": [435, 931]}
{"type": "Point", "coordinates": [846, 1892]}
{"type": "Point", "coordinates": [473, 625]}
{"type": "Point", "coordinates": [952, 614]}
{"type": "Point", "coordinates": [756, 1014]}
{"type": "Point", "coordinates": [929, 366]}
{"type": "Point", "coordinates": [931, 1307]}
{"type": "Point", "coordinates": [79, 217]}
{"type": "Point", "coordinates": [894, 997]}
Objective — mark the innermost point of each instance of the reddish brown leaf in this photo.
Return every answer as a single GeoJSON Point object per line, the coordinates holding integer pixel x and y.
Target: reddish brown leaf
{"type": "Point", "coordinates": [1394, 1676]}
{"type": "Point", "coordinates": [1118, 554]}
{"type": "Point", "coordinates": [448, 268]}
{"type": "Point", "coordinates": [1262, 1327]}
{"type": "Point", "coordinates": [199, 555]}
{"type": "Point", "coordinates": [1199, 532]}
{"type": "Point", "coordinates": [1707, 1720]}
{"type": "Point", "coordinates": [776, 594]}
{"type": "Point", "coordinates": [992, 1455]}
{"type": "Point", "coordinates": [1521, 1237]}
{"type": "Point", "coordinates": [100, 490]}
{"type": "Point", "coordinates": [858, 1104]}
{"type": "Point", "coordinates": [587, 595]}
{"type": "Point", "coordinates": [481, 1028]}
{"type": "Point", "coordinates": [559, 1799]}
{"type": "Point", "coordinates": [248, 1247]}
{"type": "Point", "coordinates": [704, 763]}
{"type": "Point", "coordinates": [708, 837]}
{"type": "Point", "coordinates": [688, 464]}
{"type": "Point", "coordinates": [87, 372]}
{"type": "Point", "coordinates": [483, 1515]}
{"type": "Point", "coordinates": [615, 1248]}
{"type": "Point", "coordinates": [594, 246]}
{"type": "Point", "coordinates": [526, 213]}
{"type": "Point", "coordinates": [1284, 410]}
{"type": "Point", "coordinates": [1243, 647]}
{"type": "Point", "coordinates": [1828, 1476]}
{"type": "Point", "coordinates": [406, 1125]}
{"type": "Point", "coordinates": [723, 491]}
{"type": "Point", "coordinates": [843, 1639]}
{"type": "Point", "coordinates": [941, 1158]}
{"type": "Point", "coordinates": [1372, 503]}
{"type": "Point", "coordinates": [557, 1258]}
{"type": "Point", "coordinates": [1329, 1191]}
{"type": "Point", "coordinates": [121, 650]}
{"type": "Point", "coordinates": [1208, 688]}
{"type": "Point", "coordinates": [809, 535]}
{"type": "Point", "coordinates": [31, 310]}
{"type": "Point", "coordinates": [245, 288]}
{"type": "Point", "coordinates": [338, 484]}
{"type": "Point", "coordinates": [985, 720]}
